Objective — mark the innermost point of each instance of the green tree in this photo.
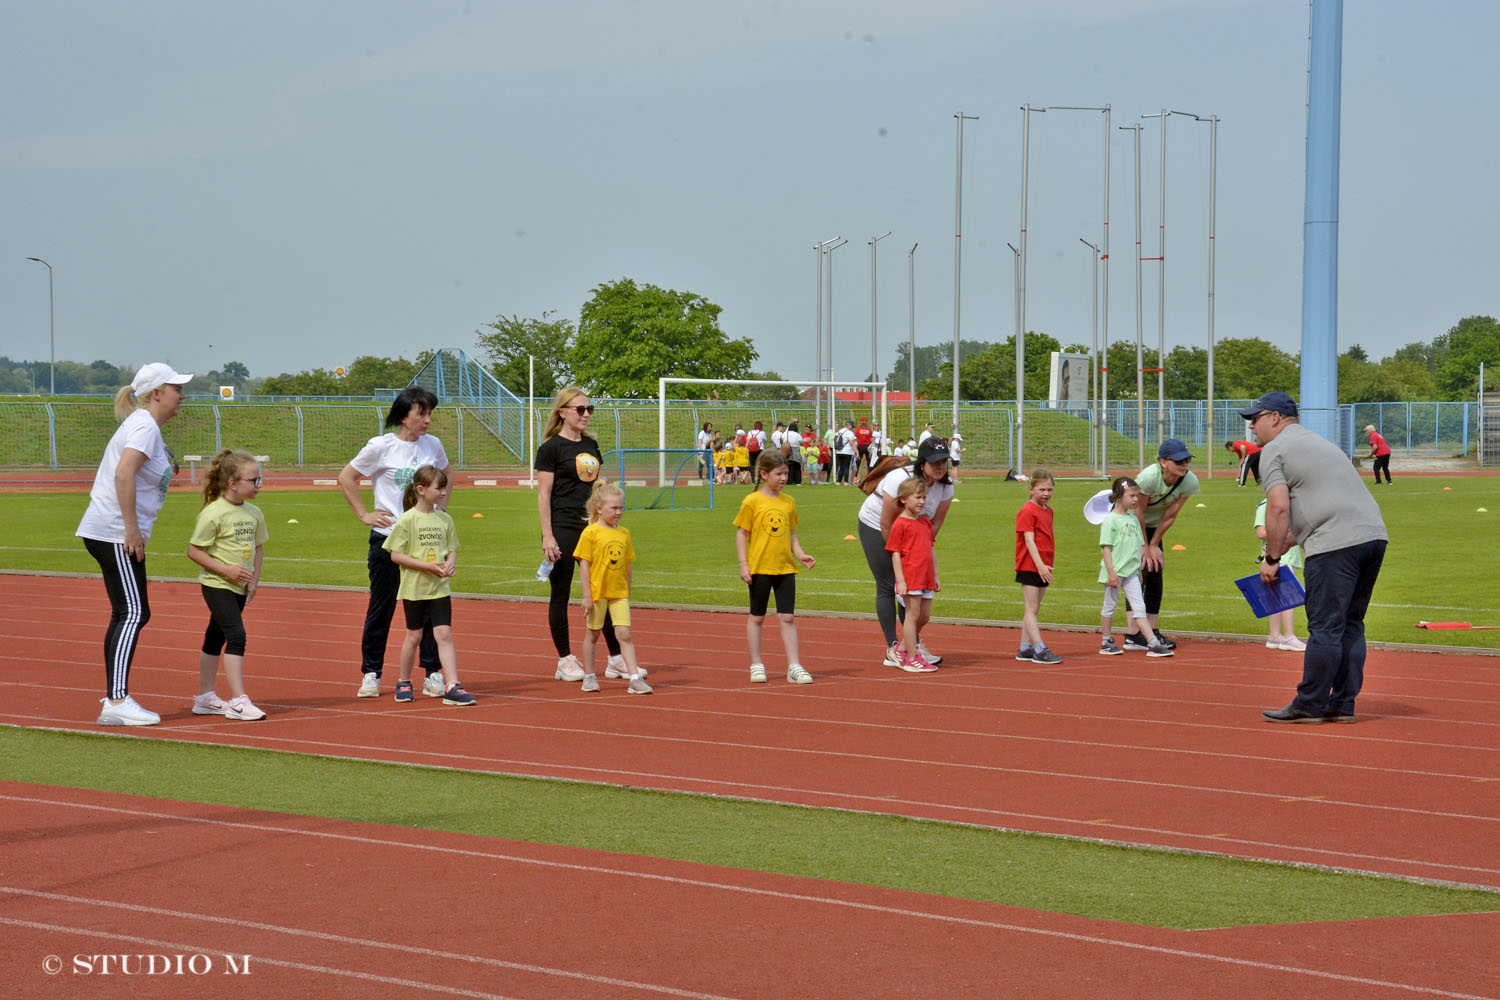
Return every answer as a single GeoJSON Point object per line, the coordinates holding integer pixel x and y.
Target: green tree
{"type": "Point", "coordinates": [991, 372]}
{"type": "Point", "coordinates": [237, 372]}
{"type": "Point", "coordinates": [511, 342]}
{"type": "Point", "coordinates": [786, 393]}
{"type": "Point", "coordinates": [1122, 370]}
{"type": "Point", "coordinates": [315, 382]}
{"type": "Point", "coordinates": [1187, 373]}
{"type": "Point", "coordinates": [1247, 367]}
{"type": "Point", "coordinates": [1475, 340]}
{"type": "Point", "coordinates": [1355, 353]}
{"type": "Point", "coordinates": [629, 335]}
{"type": "Point", "coordinates": [929, 360]}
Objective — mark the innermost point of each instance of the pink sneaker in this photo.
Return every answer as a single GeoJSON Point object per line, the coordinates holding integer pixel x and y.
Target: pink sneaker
{"type": "Point", "coordinates": [915, 664]}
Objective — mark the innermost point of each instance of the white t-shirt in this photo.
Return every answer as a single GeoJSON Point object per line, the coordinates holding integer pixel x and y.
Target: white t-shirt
{"type": "Point", "coordinates": [923, 437]}
{"type": "Point", "coordinates": [955, 450]}
{"type": "Point", "coordinates": [703, 438]}
{"type": "Point", "coordinates": [389, 462]}
{"type": "Point", "coordinates": [844, 437]}
{"type": "Point", "coordinates": [102, 520]}
{"type": "Point", "coordinates": [869, 511]}
{"type": "Point", "coordinates": [777, 438]}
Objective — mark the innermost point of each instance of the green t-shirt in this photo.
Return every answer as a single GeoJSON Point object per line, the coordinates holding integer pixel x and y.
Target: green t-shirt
{"type": "Point", "coordinates": [1156, 489]}
{"type": "Point", "coordinates": [429, 538]}
{"type": "Point", "coordinates": [1291, 557]}
{"type": "Point", "coordinates": [1122, 533]}
{"type": "Point", "coordinates": [230, 533]}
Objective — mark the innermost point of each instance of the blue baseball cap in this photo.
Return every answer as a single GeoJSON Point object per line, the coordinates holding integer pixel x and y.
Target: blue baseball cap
{"type": "Point", "coordinates": [1175, 450]}
{"type": "Point", "coordinates": [1271, 402]}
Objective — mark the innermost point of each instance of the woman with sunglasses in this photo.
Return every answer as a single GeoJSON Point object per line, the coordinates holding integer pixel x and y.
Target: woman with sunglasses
{"type": "Point", "coordinates": [388, 462]}
{"type": "Point", "coordinates": [567, 465]}
{"type": "Point", "coordinates": [129, 491]}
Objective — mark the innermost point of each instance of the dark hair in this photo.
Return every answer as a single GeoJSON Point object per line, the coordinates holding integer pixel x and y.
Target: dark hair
{"type": "Point", "coordinates": [1117, 488]}
{"type": "Point", "coordinates": [1229, 445]}
{"type": "Point", "coordinates": [412, 395]}
{"type": "Point", "coordinates": [427, 475]}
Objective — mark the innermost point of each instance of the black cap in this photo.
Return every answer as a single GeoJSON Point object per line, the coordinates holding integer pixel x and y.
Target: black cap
{"type": "Point", "coordinates": [934, 449]}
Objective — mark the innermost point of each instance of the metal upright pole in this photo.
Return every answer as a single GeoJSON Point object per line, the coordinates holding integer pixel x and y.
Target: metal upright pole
{"type": "Point", "coordinates": [1021, 294]}
{"type": "Point", "coordinates": [1140, 378]}
{"type": "Point", "coordinates": [1019, 456]}
{"type": "Point", "coordinates": [958, 243]}
{"type": "Point", "coordinates": [1094, 348]}
{"type": "Point", "coordinates": [829, 325]}
{"type": "Point", "coordinates": [911, 334]}
{"type": "Point", "coordinates": [1104, 312]}
{"type": "Point", "coordinates": [1161, 290]}
{"type": "Point", "coordinates": [874, 369]}
{"type": "Point", "coordinates": [51, 326]}
{"type": "Point", "coordinates": [1213, 174]}
{"type": "Point", "coordinates": [818, 337]}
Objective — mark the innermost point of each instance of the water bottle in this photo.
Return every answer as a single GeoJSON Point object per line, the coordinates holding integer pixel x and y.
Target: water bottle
{"type": "Point", "coordinates": [544, 570]}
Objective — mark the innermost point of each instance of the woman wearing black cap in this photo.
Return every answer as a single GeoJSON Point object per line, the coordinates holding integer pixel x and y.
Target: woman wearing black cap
{"type": "Point", "coordinates": [879, 512]}
{"type": "Point", "coordinates": [1165, 486]}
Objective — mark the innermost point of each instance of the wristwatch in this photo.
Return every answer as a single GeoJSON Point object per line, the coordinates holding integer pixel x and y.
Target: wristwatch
{"type": "Point", "coordinates": [1272, 560]}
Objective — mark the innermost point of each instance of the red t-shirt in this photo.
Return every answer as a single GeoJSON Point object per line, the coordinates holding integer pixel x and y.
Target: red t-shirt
{"type": "Point", "coordinates": [1378, 443]}
{"type": "Point", "coordinates": [1244, 449]}
{"type": "Point", "coordinates": [1038, 521]}
{"type": "Point", "coordinates": [911, 537]}
{"type": "Point", "coordinates": [863, 436]}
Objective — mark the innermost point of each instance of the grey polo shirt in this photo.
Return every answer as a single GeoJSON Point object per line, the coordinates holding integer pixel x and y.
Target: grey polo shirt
{"type": "Point", "coordinates": [1331, 507]}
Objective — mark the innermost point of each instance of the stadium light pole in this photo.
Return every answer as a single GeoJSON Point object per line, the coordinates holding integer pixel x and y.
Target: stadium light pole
{"type": "Point", "coordinates": [1140, 378]}
{"type": "Point", "coordinates": [911, 334]}
{"type": "Point", "coordinates": [1094, 325]}
{"type": "Point", "coordinates": [828, 252]}
{"type": "Point", "coordinates": [1020, 455]}
{"type": "Point", "coordinates": [51, 327]}
{"type": "Point", "coordinates": [874, 368]}
{"type": "Point", "coordinates": [818, 317]}
{"type": "Point", "coordinates": [958, 243]}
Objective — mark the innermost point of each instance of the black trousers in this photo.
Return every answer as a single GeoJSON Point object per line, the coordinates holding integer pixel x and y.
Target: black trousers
{"type": "Point", "coordinates": [561, 581]}
{"type": "Point", "coordinates": [129, 610]}
{"type": "Point", "coordinates": [385, 580]}
{"type": "Point", "coordinates": [1382, 463]}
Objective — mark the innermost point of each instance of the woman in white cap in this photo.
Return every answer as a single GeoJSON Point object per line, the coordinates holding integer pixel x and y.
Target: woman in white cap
{"type": "Point", "coordinates": [129, 490]}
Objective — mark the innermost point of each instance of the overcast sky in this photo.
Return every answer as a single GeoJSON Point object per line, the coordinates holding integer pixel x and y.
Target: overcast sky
{"type": "Point", "coordinates": [295, 184]}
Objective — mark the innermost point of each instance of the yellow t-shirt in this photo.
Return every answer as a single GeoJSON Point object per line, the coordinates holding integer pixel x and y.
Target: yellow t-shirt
{"type": "Point", "coordinates": [429, 538]}
{"type": "Point", "coordinates": [230, 533]}
{"type": "Point", "coordinates": [770, 521]}
{"type": "Point", "coordinates": [741, 457]}
{"type": "Point", "coordinates": [610, 553]}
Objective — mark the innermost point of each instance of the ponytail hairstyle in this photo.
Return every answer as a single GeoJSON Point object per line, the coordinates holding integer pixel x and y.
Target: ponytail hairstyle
{"type": "Point", "coordinates": [601, 493]}
{"type": "Point", "coordinates": [1118, 487]}
{"type": "Point", "coordinates": [770, 460]}
{"type": "Point", "coordinates": [427, 475]}
{"type": "Point", "coordinates": [124, 402]}
{"type": "Point", "coordinates": [226, 465]}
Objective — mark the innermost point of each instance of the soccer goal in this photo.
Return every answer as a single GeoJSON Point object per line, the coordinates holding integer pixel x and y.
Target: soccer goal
{"type": "Point", "coordinates": [876, 388]}
{"type": "Point", "coordinates": [670, 479]}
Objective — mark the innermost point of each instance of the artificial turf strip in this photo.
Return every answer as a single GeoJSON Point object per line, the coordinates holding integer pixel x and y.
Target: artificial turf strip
{"type": "Point", "coordinates": [1137, 886]}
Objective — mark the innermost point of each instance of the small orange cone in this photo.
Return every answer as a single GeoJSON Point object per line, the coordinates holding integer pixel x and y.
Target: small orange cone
{"type": "Point", "coordinates": [849, 538]}
{"type": "Point", "coordinates": [478, 515]}
{"type": "Point", "coordinates": [1446, 488]}
{"type": "Point", "coordinates": [1179, 548]}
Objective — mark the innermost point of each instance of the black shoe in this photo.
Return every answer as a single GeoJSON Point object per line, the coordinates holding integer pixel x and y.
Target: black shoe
{"type": "Point", "coordinates": [1334, 715]}
{"type": "Point", "coordinates": [1137, 641]}
{"type": "Point", "coordinates": [1164, 640]}
{"type": "Point", "coordinates": [1292, 714]}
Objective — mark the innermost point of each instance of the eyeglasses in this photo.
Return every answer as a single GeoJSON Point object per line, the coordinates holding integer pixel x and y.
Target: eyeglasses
{"type": "Point", "coordinates": [253, 480]}
{"type": "Point", "coordinates": [583, 411]}
{"type": "Point", "coordinates": [1262, 413]}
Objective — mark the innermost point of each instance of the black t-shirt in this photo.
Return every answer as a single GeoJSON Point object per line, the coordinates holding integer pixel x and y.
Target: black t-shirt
{"type": "Point", "coordinates": [574, 466]}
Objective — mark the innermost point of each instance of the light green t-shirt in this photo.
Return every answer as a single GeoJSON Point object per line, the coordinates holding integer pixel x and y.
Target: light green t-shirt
{"type": "Point", "coordinates": [1122, 533]}
{"type": "Point", "coordinates": [230, 533]}
{"type": "Point", "coordinates": [1291, 557]}
{"type": "Point", "coordinates": [1154, 487]}
{"type": "Point", "coordinates": [428, 537]}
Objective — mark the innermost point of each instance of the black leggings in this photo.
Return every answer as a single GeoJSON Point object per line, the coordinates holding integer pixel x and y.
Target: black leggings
{"type": "Point", "coordinates": [1383, 462]}
{"type": "Point", "coordinates": [566, 528]}
{"type": "Point", "coordinates": [226, 623]}
{"type": "Point", "coordinates": [129, 610]}
{"type": "Point", "coordinates": [887, 611]}
{"type": "Point", "coordinates": [385, 581]}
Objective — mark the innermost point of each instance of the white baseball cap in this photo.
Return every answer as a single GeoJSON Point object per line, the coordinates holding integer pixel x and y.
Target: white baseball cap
{"type": "Point", "coordinates": [156, 375]}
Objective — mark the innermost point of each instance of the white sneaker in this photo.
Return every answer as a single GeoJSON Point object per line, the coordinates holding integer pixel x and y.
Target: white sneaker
{"type": "Point", "coordinates": [370, 686]}
{"type": "Point", "coordinates": [616, 668]}
{"type": "Point", "coordinates": [590, 682]}
{"type": "Point", "coordinates": [927, 654]}
{"type": "Point", "coordinates": [1273, 642]}
{"type": "Point", "coordinates": [433, 686]}
{"type": "Point", "coordinates": [892, 655]}
{"type": "Point", "coordinates": [208, 703]}
{"type": "Point", "coordinates": [569, 669]}
{"type": "Point", "coordinates": [757, 673]}
{"type": "Point", "coordinates": [126, 713]}
{"type": "Point", "coordinates": [243, 709]}
{"type": "Point", "coordinates": [638, 686]}
{"type": "Point", "coordinates": [796, 675]}
{"type": "Point", "coordinates": [1292, 644]}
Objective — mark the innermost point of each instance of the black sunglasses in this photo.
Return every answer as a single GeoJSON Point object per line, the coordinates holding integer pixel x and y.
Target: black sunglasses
{"type": "Point", "coordinates": [583, 410]}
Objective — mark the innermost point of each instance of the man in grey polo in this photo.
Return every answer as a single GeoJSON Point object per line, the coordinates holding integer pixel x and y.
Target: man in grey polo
{"type": "Point", "coordinates": [1316, 499]}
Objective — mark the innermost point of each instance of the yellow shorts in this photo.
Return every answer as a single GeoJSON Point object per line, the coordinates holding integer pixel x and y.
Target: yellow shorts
{"type": "Point", "coordinates": [618, 609]}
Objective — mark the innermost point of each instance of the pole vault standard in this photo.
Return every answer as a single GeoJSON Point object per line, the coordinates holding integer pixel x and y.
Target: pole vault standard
{"type": "Point", "coordinates": [661, 402]}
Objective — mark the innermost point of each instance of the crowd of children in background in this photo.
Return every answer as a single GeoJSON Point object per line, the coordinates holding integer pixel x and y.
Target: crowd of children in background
{"type": "Point", "coordinates": [834, 456]}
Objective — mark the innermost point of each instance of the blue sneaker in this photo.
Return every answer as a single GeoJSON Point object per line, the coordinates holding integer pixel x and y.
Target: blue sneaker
{"type": "Point", "coordinates": [1024, 654]}
{"type": "Point", "coordinates": [403, 691]}
{"type": "Point", "coordinates": [456, 695]}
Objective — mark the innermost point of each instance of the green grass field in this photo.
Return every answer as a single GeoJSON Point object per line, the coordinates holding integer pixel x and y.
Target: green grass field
{"type": "Point", "coordinates": [1434, 569]}
{"type": "Point", "coordinates": [1060, 875]}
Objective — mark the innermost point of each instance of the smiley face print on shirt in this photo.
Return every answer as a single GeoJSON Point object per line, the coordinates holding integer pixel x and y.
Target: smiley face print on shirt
{"type": "Point", "coordinates": [587, 467]}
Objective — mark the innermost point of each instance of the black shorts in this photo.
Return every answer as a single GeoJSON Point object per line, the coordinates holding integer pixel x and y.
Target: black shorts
{"type": "Point", "coordinates": [420, 614]}
{"type": "Point", "coordinates": [1030, 578]}
{"type": "Point", "coordinates": [763, 585]}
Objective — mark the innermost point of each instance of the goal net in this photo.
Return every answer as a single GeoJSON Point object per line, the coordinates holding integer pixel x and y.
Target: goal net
{"type": "Point", "coordinates": [662, 479]}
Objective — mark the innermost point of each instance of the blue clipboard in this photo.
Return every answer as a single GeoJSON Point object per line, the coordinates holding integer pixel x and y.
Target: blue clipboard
{"type": "Point", "coordinates": [1268, 600]}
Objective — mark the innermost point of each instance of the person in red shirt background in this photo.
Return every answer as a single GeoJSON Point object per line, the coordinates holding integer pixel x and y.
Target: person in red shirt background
{"type": "Point", "coordinates": [1381, 453]}
{"type": "Point", "coordinates": [1034, 554]}
{"type": "Point", "coordinates": [862, 438]}
{"type": "Point", "coordinates": [1249, 455]}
